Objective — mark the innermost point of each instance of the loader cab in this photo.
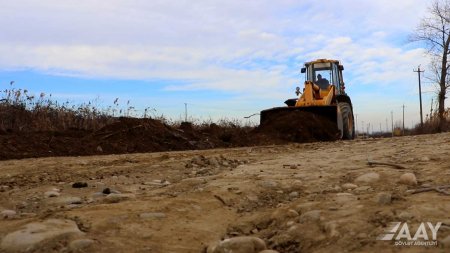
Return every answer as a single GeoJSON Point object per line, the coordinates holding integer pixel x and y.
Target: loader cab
{"type": "Point", "coordinates": [324, 73]}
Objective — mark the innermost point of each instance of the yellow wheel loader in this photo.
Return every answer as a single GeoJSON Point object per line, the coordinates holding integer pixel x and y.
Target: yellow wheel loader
{"type": "Point", "coordinates": [323, 94]}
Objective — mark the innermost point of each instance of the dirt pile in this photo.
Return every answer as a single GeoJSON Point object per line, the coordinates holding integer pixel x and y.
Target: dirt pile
{"type": "Point", "coordinates": [133, 135]}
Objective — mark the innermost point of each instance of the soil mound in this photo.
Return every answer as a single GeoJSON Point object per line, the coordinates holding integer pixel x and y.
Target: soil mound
{"type": "Point", "coordinates": [132, 135]}
{"type": "Point", "coordinates": [299, 126]}
{"type": "Point", "coordinates": [137, 135]}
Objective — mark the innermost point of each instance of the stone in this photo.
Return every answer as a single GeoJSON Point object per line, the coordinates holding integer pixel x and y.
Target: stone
{"type": "Point", "coordinates": [30, 235]}
{"type": "Point", "coordinates": [269, 184]}
{"type": "Point", "coordinates": [241, 244]}
{"type": "Point", "coordinates": [280, 214]}
{"type": "Point", "coordinates": [214, 162]}
{"type": "Point", "coordinates": [8, 214]}
{"type": "Point", "coordinates": [368, 178]}
{"type": "Point", "coordinates": [349, 186]}
{"type": "Point", "coordinates": [97, 195]}
{"type": "Point", "coordinates": [80, 245]}
{"type": "Point", "coordinates": [152, 215]}
{"type": "Point", "coordinates": [116, 198]}
{"type": "Point", "coordinates": [344, 197]}
{"type": "Point", "coordinates": [405, 216]}
{"type": "Point", "coordinates": [331, 229]}
{"type": "Point", "coordinates": [290, 223]}
{"type": "Point", "coordinates": [292, 213]}
{"type": "Point", "coordinates": [4, 188]}
{"type": "Point", "coordinates": [56, 189]}
{"type": "Point", "coordinates": [66, 201]}
{"type": "Point", "coordinates": [51, 194]}
{"type": "Point", "coordinates": [269, 251]}
{"type": "Point", "coordinates": [383, 198]}
{"type": "Point", "coordinates": [303, 207]}
{"type": "Point", "coordinates": [408, 179]}
{"type": "Point", "coordinates": [336, 188]}
{"type": "Point", "coordinates": [313, 215]}
{"type": "Point", "coordinates": [425, 159]}
{"type": "Point", "coordinates": [362, 189]}
{"type": "Point", "coordinates": [293, 195]}
{"type": "Point", "coordinates": [106, 191]}
{"type": "Point", "coordinates": [79, 185]}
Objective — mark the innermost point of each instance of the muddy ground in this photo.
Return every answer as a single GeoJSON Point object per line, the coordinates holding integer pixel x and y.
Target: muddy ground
{"type": "Point", "coordinates": [297, 198]}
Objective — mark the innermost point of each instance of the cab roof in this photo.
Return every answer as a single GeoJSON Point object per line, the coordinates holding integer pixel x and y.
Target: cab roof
{"type": "Point", "coordinates": [322, 61]}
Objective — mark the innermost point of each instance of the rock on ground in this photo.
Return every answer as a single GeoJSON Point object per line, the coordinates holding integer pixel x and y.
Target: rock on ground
{"type": "Point", "coordinates": [368, 178]}
{"type": "Point", "coordinates": [408, 179]}
{"type": "Point", "coordinates": [32, 234]}
{"type": "Point", "coordinates": [349, 186]}
{"type": "Point", "coordinates": [344, 197]}
{"type": "Point", "coordinates": [313, 215]}
{"type": "Point", "coordinates": [116, 198]}
{"type": "Point", "coordinates": [8, 214]}
{"type": "Point", "coordinates": [383, 198]}
{"type": "Point", "coordinates": [66, 200]}
{"type": "Point", "coordinates": [242, 244]}
{"type": "Point", "coordinates": [51, 194]}
{"type": "Point", "coordinates": [80, 245]}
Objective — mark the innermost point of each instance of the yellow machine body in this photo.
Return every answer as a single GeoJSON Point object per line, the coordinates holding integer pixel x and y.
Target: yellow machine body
{"type": "Point", "coordinates": [315, 96]}
{"type": "Point", "coordinates": [320, 96]}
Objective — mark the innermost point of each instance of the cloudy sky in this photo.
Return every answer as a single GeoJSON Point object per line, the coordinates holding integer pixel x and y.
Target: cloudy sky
{"type": "Point", "coordinates": [223, 58]}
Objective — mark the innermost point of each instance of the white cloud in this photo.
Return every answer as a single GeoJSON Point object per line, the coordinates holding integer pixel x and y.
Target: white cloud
{"type": "Point", "coordinates": [246, 47]}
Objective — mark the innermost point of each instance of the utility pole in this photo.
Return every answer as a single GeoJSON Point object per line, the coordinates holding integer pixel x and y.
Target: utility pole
{"type": "Point", "coordinates": [392, 123]}
{"type": "Point", "coordinates": [356, 123]}
{"type": "Point", "coordinates": [380, 127]}
{"type": "Point", "coordinates": [403, 129]}
{"type": "Point", "coordinates": [420, 94]}
{"type": "Point", "coordinates": [185, 112]}
{"type": "Point", "coordinates": [387, 130]}
{"type": "Point", "coordinates": [431, 110]}
{"type": "Point", "coordinates": [363, 127]}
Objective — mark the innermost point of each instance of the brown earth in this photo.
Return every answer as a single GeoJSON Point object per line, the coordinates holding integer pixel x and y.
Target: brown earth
{"type": "Point", "coordinates": [295, 197]}
{"type": "Point", "coordinates": [131, 135]}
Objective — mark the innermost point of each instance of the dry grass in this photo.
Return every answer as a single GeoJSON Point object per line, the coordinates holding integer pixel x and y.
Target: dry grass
{"type": "Point", "coordinates": [20, 111]}
{"type": "Point", "coordinates": [431, 124]}
{"type": "Point", "coordinates": [24, 112]}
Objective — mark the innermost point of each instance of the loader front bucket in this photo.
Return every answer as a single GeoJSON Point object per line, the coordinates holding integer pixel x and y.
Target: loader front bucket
{"type": "Point", "coordinates": [301, 124]}
{"type": "Point", "coordinates": [325, 112]}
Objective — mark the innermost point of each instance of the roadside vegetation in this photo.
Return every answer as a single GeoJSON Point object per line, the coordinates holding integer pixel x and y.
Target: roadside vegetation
{"type": "Point", "coordinates": [21, 111]}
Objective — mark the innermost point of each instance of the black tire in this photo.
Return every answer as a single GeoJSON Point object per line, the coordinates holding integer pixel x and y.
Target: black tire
{"type": "Point", "coordinates": [348, 126]}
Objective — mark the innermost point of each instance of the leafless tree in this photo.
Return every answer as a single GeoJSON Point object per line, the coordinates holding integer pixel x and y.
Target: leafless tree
{"type": "Point", "coordinates": [434, 30]}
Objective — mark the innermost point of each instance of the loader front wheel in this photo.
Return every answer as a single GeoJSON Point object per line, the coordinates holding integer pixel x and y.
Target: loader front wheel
{"type": "Point", "coordinates": [348, 126]}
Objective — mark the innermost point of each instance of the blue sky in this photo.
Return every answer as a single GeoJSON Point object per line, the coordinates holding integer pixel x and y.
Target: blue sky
{"type": "Point", "coordinates": [226, 59]}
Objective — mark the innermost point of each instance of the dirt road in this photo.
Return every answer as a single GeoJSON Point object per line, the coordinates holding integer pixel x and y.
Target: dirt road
{"type": "Point", "coordinates": [315, 197]}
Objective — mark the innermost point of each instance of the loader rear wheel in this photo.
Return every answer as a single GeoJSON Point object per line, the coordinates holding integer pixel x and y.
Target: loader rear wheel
{"type": "Point", "coordinates": [348, 126]}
